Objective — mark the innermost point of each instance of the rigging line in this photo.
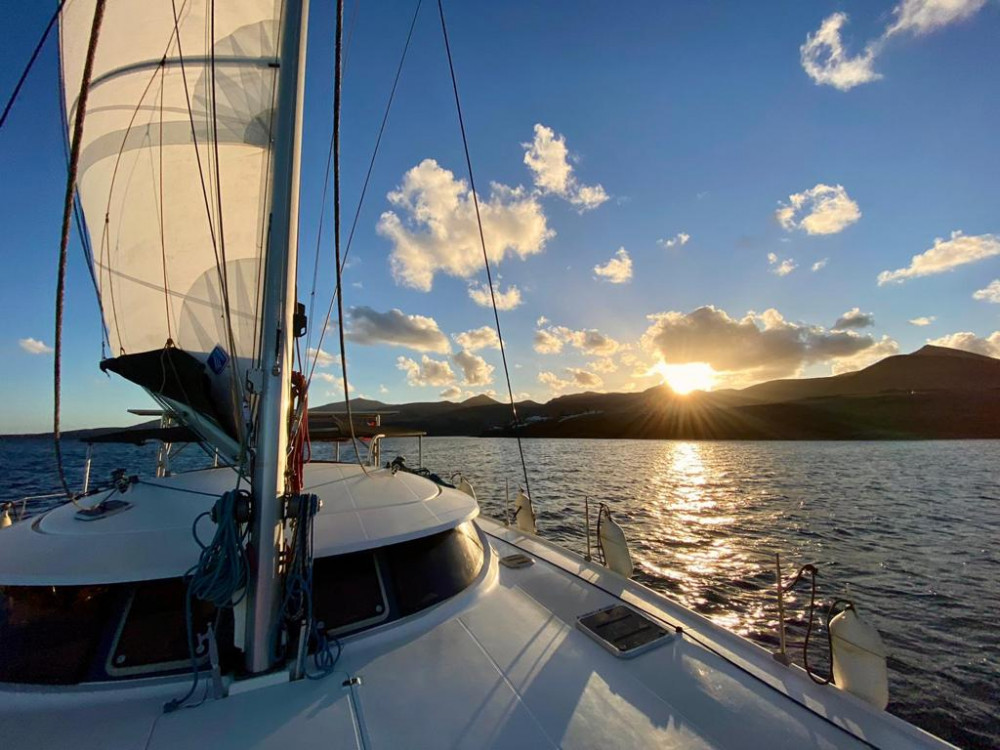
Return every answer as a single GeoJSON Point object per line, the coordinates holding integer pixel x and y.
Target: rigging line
{"type": "Point", "coordinates": [482, 240]}
{"type": "Point", "coordinates": [74, 159]}
{"type": "Point", "coordinates": [368, 176]}
{"type": "Point", "coordinates": [326, 183]}
{"type": "Point", "coordinates": [81, 224]}
{"type": "Point", "coordinates": [31, 64]}
{"type": "Point", "coordinates": [337, 86]}
{"type": "Point", "coordinates": [163, 238]}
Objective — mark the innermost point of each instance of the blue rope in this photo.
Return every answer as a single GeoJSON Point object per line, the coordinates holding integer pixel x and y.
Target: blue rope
{"type": "Point", "coordinates": [219, 575]}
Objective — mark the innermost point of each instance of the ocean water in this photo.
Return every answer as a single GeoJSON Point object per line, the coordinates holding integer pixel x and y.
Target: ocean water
{"type": "Point", "coordinates": [910, 531]}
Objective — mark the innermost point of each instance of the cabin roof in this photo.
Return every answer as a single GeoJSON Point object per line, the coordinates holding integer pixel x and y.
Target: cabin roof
{"type": "Point", "coordinates": [152, 539]}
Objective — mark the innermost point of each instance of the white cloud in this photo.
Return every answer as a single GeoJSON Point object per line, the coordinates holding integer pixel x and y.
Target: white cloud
{"type": "Point", "coordinates": [589, 340]}
{"type": "Point", "coordinates": [547, 342]}
{"type": "Point", "coordinates": [548, 158]}
{"type": "Point", "coordinates": [605, 366]}
{"type": "Point", "coordinates": [584, 378]}
{"type": "Point", "coordinates": [945, 255]}
{"type": "Point", "coordinates": [484, 337]}
{"type": "Point", "coordinates": [819, 265]}
{"type": "Point", "coordinates": [755, 347]}
{"type": "Point", "coordinates": [333, 380]}
{"type": "Point", "coordinates": [823, 209]}
{"type": "Point", "coordinates": [322, 357]}
{"type": "Point", "coordinates": [826, 61]}
{"type": "Point", "coordinates": [854, 318]}
{"type": "Point", "coordinates": [475, 371]}
{"type": "Point", "coordinates": [881, 349]}
{"type": "Point", "coordinates": [923, 321]}
{"type": "Point", "coordinates": [970, 342]}
{"type": "Point", "coordinates": [990, 294]}
{"type": "Point", "coordinates": [34, 346]}
{"type": "Point", "coordinates": [680, 239]}
{"type": "Point", "coordinates": [451, 393]}
{"type": "Point", "coordinates": [506, 300]}
{"type": "Point", "coordinates": [923, 16]}
{"type": "Point", "coordinates": [426, 372]}
{"type": "Point", "coordinates": [438, 231]}
{"type": "Point", "coordinates": [382, 389]}
{"type": "Point", "coordinates": [396, 328]}
{"type": "Point", "coordinates": [553, 381]}
{"type": "Point", "coordinates": [618, 270]}
{"type": "Point", "coordinates": [782, 268]}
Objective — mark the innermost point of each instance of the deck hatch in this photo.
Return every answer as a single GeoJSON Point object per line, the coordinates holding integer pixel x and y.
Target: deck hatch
{"type": "Point", "coordinates": [623, 631]}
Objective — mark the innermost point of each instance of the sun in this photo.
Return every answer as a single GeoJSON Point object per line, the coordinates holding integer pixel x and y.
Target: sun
{"type": "Point", "coordinates": [682, 379]}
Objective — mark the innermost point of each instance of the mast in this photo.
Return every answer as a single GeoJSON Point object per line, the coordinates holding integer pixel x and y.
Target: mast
{"type": "Point", "coordinates": [273, 380]}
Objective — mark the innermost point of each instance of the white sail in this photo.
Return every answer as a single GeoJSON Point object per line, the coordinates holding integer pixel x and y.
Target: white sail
{"type": "Point", "coordinates": [156, 164]}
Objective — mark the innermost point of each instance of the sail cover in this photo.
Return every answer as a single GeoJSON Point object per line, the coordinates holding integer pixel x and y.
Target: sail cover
{"type": "Point", "coordinates": [174, 176]}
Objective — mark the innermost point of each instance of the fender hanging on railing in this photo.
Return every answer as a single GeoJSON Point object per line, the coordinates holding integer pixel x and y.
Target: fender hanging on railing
{"type": "Point", "coordinates": [614, 545]}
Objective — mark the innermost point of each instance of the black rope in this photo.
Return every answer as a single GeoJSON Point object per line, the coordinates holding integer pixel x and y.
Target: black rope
{"type": "Point", "coordinates": [364, 187]}
{"type": "Point", "coordinates": [31, 63]}
{"type": "Point", "coordinates": [482, 240]}
{"type": "Point", "coordinates": [337, 86]}
{"type": "Point", "coordinates": [74, 160]}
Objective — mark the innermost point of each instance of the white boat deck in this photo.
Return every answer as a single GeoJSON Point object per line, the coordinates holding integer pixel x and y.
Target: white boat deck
{"type": "Point", "coordinates": [152, 539]}
{"type": "Point", "coordinates": [500, 665]}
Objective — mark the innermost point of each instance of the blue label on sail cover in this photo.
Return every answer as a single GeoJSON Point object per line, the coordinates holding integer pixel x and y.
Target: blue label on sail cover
{"type": "Point", "coordinates": [218, 359]}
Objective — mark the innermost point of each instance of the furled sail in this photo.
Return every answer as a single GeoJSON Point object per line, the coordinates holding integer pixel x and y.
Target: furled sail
{"type": "Point", "coordinates": [174, 179]}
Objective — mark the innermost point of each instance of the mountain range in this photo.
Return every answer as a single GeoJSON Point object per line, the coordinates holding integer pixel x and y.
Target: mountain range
{"type": "Point", "coordinates": [935, 392]}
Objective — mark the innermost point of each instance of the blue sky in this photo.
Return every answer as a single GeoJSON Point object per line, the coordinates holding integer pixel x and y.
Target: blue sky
{"type": "Point", "coordinates": [876, 134]}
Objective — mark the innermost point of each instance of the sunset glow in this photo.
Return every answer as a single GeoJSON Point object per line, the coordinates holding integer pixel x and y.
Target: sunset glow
{"type": "Point", "coordinates": [682, 379]}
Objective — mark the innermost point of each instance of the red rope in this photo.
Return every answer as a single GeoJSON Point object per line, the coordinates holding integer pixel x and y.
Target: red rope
{"type": "Point", "coordinates": [301, 450]}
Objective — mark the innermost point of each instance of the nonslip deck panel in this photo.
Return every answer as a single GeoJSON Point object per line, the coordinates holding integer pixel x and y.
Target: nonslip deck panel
{"type": "Point", "coordinates": [622, 630]}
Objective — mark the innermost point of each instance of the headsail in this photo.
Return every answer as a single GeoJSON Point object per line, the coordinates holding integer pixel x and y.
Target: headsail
{"type": "Point", "coordinates": [174, 180]}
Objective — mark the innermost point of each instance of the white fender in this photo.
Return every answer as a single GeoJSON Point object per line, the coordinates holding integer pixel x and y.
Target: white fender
{"type": "Point", "coordinates": [859, 659]}
{"type": "Point", "coordinates": [612, 539]}
{"type": "Point", "coordinates": [524, 514]}
{"type": "Point", "coordinates": [5, 519]}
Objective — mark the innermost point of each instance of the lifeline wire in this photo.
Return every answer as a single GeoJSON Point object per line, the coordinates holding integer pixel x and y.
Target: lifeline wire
{"type": "Point", "coordinates": [482, 241]}
{"type": "Point", "coordinates": [74, 160]}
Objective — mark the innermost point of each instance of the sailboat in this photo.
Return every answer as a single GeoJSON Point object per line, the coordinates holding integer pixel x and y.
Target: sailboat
{"type": "Point", "coordinates": [272, 601]}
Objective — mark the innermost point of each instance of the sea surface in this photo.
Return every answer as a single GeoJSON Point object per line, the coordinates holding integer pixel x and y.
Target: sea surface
{"type": "Point", "coordinates": [910, 531]}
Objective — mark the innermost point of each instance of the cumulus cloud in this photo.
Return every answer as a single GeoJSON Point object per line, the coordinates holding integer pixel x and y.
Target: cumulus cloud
{"type": "Point", "coordinates": [924, 16]}
{"type": "Point", "coordinates": [590, 341]}
{"type": "Point", "coordinates": [506, 300]}
{"type": "Point", "coordinates": [854, 318]}
{"type": "Point", "coordinates": [970, 342]}
{"type": "Point", "coordinates": [585, 378]}
{"type": "Point", "coordinates": [426, 372]}
{"type": "Point", "coordinates": [396, 328]}
{"type": "Point", "coordinates": [826, 61]}
{"type": "Point", "coordinates": [680, 239]}
{"type": "Point", "coordinates": [484, 337]}
{"type": "Point", "coordinates": [34, 346]}
{"type": "Point", "coordinates": [475, 371]}
{"type": "Point", "coordinates": [881, 349]}
{"type": "Point", "coordinates": [548, 158]}
{"type": "Point", "coordinates": [780, 267]}
{"type": "Point", "coordinates": [451, 393]}
{"type": "Point", "coordinates": [618, 270]}
{"type": "Point", "coordinates": [819, 265]}
{"type": "Point", "coordinates": [322, 357]}
{"type": "Point", "coordinates": [990, 294]}
{"type": "Point", "coordinates": [923, 321]}
{"type": "Point", "coordinates": [330, 379]}
{"type": "Point", "coordinates": [823, 209]}
{"type": "Point", "coordinates": [757, 346]}
{"type": "Point", "coordinates": [553, 381]}
{"type": "Point", "coordinates": [438, 231]}
{"type": "Point", "coordinates": [605, 365]}
{"type": "Point", "coordinates": [944, 256]}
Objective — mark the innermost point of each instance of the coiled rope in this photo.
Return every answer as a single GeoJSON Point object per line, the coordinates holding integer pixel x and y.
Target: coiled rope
{"type": "Point", "coordinates": [220, 576]}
